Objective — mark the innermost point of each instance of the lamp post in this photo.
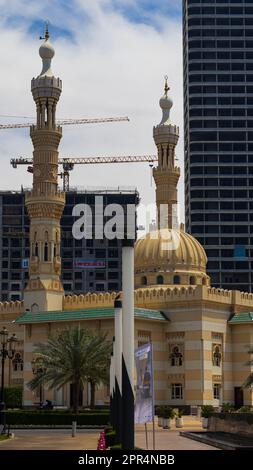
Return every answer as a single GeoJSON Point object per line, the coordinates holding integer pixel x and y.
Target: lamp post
{"type": "Point", "coordinates": [38, 369]}
{"type": "Point", "coordinates": [7, 350]}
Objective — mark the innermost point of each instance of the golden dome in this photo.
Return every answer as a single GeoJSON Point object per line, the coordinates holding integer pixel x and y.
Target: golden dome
{"type": "Point", "coordinates": [170, 252]}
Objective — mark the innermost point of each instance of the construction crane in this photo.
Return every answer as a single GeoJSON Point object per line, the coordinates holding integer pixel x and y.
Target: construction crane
{"type": "Point", "coordinates": [66, 122]}
{"type": "Point", "coordinates": [68, 163]}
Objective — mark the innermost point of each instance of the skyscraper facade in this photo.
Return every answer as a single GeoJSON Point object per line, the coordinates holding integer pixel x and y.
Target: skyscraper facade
{"type": "Point", "coordinates": [87, 265]}
{"type": "Point", "coordinates": [218, 119]}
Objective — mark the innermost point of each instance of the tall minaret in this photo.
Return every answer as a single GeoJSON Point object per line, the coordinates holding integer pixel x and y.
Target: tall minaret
{"type": "Point", "coordinates": [166, 174]}
{"type": "Point", "coordinates": [45, 202]}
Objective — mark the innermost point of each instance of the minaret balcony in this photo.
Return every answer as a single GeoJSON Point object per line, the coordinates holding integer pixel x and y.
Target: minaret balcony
{"type": "Point", "coordinates": [34, 196]}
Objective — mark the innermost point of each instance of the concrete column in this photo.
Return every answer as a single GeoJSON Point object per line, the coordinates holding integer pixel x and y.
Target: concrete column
{"type": "Point", "coordinates": [118, 365]}
{"type": "Point", "coordinates": [128, 345]}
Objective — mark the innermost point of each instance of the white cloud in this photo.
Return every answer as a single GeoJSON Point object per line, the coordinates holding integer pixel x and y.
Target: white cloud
{"type": "Point", "coordinates": [112, 68]}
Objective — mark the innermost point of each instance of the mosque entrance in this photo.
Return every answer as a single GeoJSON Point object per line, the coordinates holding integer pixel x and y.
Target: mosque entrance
{"type": "Point", "coordinates": [238, 395]}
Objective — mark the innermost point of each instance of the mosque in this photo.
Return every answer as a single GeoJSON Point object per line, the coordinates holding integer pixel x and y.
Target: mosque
{"type": "Point", "coordinates": [200, 334]}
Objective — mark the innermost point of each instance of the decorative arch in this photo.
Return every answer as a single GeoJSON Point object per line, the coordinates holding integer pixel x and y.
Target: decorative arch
{"type": "Point", "coordinates": [17, 362]}
{"type": "Point", "coordinates": [144, 281]}
{"type": "Point", "coordinates": [159, 280]}
{"type": "Point", "coordinates": [176, 356]}
{"type": "Point", "coordinates": [36, 249]}
{"type": "Point", "coordinates": [34, 307]}
{"type": "Point", "coordinates": [192, 280]}
{"type": "Point", "coordinates": [217, 355]}
{"type": "Point", "coordinates": [176, 280]}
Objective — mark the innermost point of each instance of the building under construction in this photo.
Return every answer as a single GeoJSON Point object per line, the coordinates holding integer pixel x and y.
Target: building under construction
{"type": "Point", "coordinates": [87, 265]}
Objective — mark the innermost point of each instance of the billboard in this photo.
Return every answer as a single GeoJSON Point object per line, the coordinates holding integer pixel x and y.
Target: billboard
{"type": "Point", "coordinates": [88, 263]}
{"type": "Point", "coordinates": [144, 400]}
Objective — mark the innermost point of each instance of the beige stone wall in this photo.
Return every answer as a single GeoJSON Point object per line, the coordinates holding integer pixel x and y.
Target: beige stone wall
{"type": "Point", "coordinates": [230, 424]}
{"type": "Point", "coordinates": [198, 319]}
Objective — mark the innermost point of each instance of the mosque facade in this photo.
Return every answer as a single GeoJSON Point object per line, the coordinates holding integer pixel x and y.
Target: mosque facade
{"type": "Point", "coordinates": [200, 335]}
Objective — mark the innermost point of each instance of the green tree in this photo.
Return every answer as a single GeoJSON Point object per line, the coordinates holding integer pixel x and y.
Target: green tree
{"type": "Point", "coordinates": [249, 381]}
{"type": "Point", "coordinates": [73, 355]}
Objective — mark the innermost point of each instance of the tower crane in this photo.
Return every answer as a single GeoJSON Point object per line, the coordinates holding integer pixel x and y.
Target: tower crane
{"type": "Point", "coordinates": [67, 122]}
{"type": "Point", "coordinates": [68, 163]}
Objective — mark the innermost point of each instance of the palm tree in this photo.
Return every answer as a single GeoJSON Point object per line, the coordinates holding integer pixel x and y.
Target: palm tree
{"type": "Point", "coordinates": [249, 381]}
{"type": "Point", "coordinates": [74, 355]}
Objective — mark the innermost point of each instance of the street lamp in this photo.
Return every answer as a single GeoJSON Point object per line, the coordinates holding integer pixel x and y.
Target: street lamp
{"type": "Point", "coordinates": [38, 369]}
{"type": "Point", "coordinates": [7, 350]}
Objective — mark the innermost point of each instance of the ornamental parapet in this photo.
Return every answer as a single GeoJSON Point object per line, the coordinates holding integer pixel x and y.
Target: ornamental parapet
{"type": "Point", "coordinates": [34, 196]}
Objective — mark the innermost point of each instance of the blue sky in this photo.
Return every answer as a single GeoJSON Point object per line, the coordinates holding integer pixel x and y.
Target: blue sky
{"type": "Point", "coordinates": [77, 14]}
{"type": "Point", "coordinates": [112, 56]}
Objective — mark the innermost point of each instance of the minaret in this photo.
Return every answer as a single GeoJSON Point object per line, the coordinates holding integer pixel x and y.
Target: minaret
{"type": "Point", "coordinates": [166, 174]}
{"type": "Point", "coordinates": [45, 202]}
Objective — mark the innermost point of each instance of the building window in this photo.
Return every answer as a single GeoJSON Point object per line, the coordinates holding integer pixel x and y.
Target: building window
{"type": "Point", "coordinates": [159, 280]}
{"type": "Point", "coordinates": [36, 252]}
{"type": "Point", "coordinates": [217, 356]}
{"type": "Point", "coordinates": [46, 252]}
{"type": "Point", "coordinates": [217, 391]}
{"type": "Point", "coordinates": [192, 281]}
{"type": "Point", "coordinates": [176, 357]}
{"type": "Point", "coordinates": [17, 362]}
{"type": "Point", "coordinates": [144, 281]}
{"type": "Point", "coordinates": [176, 280]}
{"type": "Point", "coordinates": [176, 391]}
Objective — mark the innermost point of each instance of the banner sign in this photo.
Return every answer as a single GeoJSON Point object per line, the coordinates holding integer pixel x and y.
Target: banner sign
{"type": "Point", "coordinates": [144, 401]}
{"type": "Point", "coordinates": [89, 263]}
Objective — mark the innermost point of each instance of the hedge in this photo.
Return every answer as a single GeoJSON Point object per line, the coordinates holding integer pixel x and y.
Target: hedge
{"type": "Point", "coordinates": [56, 418]}
{"type": "Point", "coordinates": [13, 397]}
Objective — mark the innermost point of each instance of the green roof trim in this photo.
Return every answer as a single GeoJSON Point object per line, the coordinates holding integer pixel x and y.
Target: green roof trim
{"type": "Point", "coordinates": [242, 317]}
{"type": "Point", "coordinates": [85, 314]}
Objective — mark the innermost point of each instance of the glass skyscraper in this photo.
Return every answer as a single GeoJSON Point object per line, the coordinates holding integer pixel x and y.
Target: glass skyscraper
{"type": "Point", "coordinates": [218, 127]}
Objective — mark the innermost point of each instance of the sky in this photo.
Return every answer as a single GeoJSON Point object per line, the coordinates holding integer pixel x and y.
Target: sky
{"type": "Point", "coordinates": [112, 56]}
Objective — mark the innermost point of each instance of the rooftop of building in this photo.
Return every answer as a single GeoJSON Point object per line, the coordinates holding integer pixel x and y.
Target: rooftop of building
{"type": "Point", "coordinates": [85, 314]}
{"type": "Point", "coordinates": [241, 317]}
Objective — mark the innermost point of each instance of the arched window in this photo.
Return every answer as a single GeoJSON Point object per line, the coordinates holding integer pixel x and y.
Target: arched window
{"type": "Point", "coordinates": [46, 251]}
{"type": "Point", "coordinates": [54, 250]}
{"type": "Point", "coordinates": [176, 280]}
{"type": "Point", "coordinates": [17, 362]}
{"type": "Point", "coordinates": [159, 280]}
{"type": "Point", "coordinates": [192, 280]}
{"type": "Point", "coordinates": [176, 357]}
{"type": "Point", "coordinates": [34, 308]}
{"type": "Point", "coordinates": [217, 356]}
{"type": "Point", "coordinates": [204, 281]}
{"type": "Point", "coordinates": [144, 281]}
{"type": "Point", "coordinates": [36, 251]}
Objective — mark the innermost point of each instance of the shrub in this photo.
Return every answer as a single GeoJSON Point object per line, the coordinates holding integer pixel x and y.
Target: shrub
{"type": "Point", "coordinates": [159, 411]}
{"type": "Point", "coordinates": [180, 413]}
{"type": "Point", "coordinates": [246, 409]}
{"type": "Point", "coordinates": [13, 397]}
{"type": "Point", "coordinates": [206, 410]}
{"type": "Point", "coordinates": [168, 413]}
{"type": "Point", "coordinates": [227, 407]}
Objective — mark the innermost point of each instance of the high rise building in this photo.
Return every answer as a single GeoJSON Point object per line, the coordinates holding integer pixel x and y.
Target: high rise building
{"type": "Point", "coordinates": [87, 265]}
{"type": "Point", "coordinates": [218, 119]}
